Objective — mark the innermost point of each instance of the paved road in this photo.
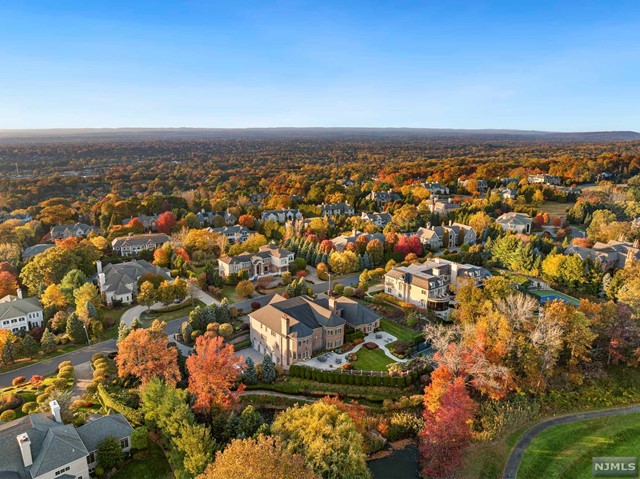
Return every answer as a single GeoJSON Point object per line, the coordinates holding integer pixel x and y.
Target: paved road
{"type": "Point", "coordinates": [76, 357]}
{"type": "Point", "coordinates": [511, 468]}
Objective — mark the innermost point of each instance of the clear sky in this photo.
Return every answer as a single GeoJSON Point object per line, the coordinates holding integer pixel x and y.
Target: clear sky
{"type": "Point", "coordinates": [547, 65]}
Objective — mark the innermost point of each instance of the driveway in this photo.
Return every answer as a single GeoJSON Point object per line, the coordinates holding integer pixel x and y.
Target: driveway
{"type": "Point", "coordinates": [511, 468]}
{"type": "Point", "coordinates": [133, 312]}
{"type": "Point", "coordinates": [205, 297]}
{"type": "Point", "coordinates": [251, 353]}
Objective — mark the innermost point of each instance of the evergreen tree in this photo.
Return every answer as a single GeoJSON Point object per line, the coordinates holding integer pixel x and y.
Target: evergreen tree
{"type": "Point", "coordinates": [268, 370]}
{"type": "Point", "coordinates": [186, 331]}
{"type": "Point", "coordinates": [29, 346]}
{"type": "Point", "coordinates": [10, 351]}
{"type": "Point", "coordinates": [223, 312]}
{"type": "Point", "coordinates": [249, 374]}
{"type": "Point", "coordinates": [75, 329]}
{"type": "Point", "coordinates": [48, 342]}
{"type": "Point", "coordinates": [135, 324]}
{"type": "Point", "coordinates": [123, 331]}
{"type": "Point", "coordinates": [91, 310]}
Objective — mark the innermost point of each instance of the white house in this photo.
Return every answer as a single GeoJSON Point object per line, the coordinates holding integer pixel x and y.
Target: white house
{"type": "Point", "coordinates": [379, 219]}
{"type": "Point", "coordinates": [235, 234]}
{"type": "Point", "coordinates": [20, 314]}
{"type": "Point", "coordinates": [281, 216]}
{"type": "Point", "coordinates": [337, 209]}
{"type": "Point", "coordinates": [133, 245]}
{"type": "Point", "coordinates": [516, 222]}
{"type": "Point", "coordinates": [38, 446]}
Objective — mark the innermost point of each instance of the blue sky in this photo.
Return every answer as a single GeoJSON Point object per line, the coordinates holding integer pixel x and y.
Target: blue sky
{"type": "Point", "coordinates": [566, 66]}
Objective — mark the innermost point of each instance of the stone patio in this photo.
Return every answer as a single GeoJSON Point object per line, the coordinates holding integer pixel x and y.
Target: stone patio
{"type": "Point", "coordinates": [335, 360]}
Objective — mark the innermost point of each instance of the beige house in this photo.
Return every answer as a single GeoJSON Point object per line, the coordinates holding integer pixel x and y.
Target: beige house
{"type": "Point", "coordinates": [20, 314]}
{"type": "Point", "coordinates": [610, 255]}
{"type": "Point", "coordinates": [430, 285]}
{"type": "Point", "coordinates": [292, 330]}
{"type": "Point", "coordinates": [268, 261]}
{"type": "Point", "coordinates": [133, 245]}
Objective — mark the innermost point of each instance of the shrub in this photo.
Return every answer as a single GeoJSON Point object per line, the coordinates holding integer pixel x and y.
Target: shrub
{"type": "Point", "coordinates": [30, 407]}
{"type": "Point", "coordinates": [140, 438]}
{"type": "Point", "coordinates": [109, 453]}
{"type": "Point", "coordinates": [97, 356]}
{"type": "Point", "coordinates": [370, 345]}
{"type": "Point", "coordinates": [349, 292]}
{"type": "Point", "coordinates": [403, 425]}
{"type": "Point", "coordinates": [338, 288]}
{"type": "Point", "coordinates": [64, 364]}
{"type": "Point", "coordinates": [10, 401]}
{"type": "Point", "coordinates": [42, 398]}
{"type": "Point", "coordinates": [255, 305]}
{"type": "Point", "coordinates": [60, 383]}
{"type": "Point", "coordinates": [17, 381]}
{"type": "Point", "coordinates": [36, 380]}
{"type": "Point", "coordinates": [8, 416]}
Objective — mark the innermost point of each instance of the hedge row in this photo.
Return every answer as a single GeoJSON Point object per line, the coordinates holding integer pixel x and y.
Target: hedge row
{"type": "Point", "coordinates": [335, 377]}
{"type": "Point", "coordinates": [132, 415]}
{"type": "Point", "coordinates": [382, 298]}
{"type": "Point", "coordinates": [296, 390]}
{"type": "Point", "coordinates": [350, 337]}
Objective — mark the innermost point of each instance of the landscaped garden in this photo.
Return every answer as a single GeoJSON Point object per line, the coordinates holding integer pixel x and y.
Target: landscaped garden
{"type": "Point", "coordinates": [169, 313]}
{"type": "Point", "coordinates": [566, 450]}
{"type": "Point", "coordinates": [371, 360]}
{"type": "Point", "coordinates": [149, 464]}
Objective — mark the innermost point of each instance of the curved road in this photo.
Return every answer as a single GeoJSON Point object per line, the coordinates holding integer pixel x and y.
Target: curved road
{"type": "Point", "coordinates": [511, 468]}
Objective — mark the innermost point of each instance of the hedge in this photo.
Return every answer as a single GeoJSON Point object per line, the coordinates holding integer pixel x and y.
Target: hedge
{"type": "Point", "coordinates": [133, 416]}
{"type": "Point", "coordinates": [349, 338]}
{"type": "Point", "coordinates": [335, 377]}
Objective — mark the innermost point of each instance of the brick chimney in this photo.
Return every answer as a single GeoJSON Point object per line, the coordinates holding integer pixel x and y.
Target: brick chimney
{"type": "Point", "coordinates": [25, 449]}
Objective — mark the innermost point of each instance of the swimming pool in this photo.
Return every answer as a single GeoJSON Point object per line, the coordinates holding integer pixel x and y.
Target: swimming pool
{"type": "Point", "coordinates": [546, 295]}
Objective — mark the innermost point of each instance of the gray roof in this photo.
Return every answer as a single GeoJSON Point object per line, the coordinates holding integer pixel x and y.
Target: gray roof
{"type": "Point", "coordinates": [117, 276]}
{"type": "Point", "coordinates": [140, 240]}
{"type": "Point", "coordinates": [19, 307]}
{"type": "Point", "coordinates": [95, 431]}
{"type": "Point", "coordinates": [53, 445]}
{"type": "Point", "coordinates": [35, 249]}
{"type": "Point", "coordinates": [354, 313]}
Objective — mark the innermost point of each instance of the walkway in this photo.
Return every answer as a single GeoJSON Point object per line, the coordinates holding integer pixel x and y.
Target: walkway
{"type": "Point", "coordinates": [266, 392]}
{"type": "Point", "coordinates": [335, 360]}
{"type": "Point", "coordinates": [511, 468]}
{"type": "Point", "coordinates": [83, 377]}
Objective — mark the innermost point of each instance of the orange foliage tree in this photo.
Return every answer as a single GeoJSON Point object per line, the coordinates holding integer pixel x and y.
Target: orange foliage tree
{"type": "Point", "coordinates": [144, 353]}
{"type": "Point", "coordinates": [213, 372]}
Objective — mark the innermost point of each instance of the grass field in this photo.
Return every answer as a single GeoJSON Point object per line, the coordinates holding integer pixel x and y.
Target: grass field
{"type": "Point", "coordinates": [565, 451]}
{"type": "Point", "coordinates": [554, 208]}
{"type": "Point", "coordinates": [397, 330]}
{"type": "Point", "coordinates": [371, 360]}
{"type": "Point", "coordinates": [154, 466]}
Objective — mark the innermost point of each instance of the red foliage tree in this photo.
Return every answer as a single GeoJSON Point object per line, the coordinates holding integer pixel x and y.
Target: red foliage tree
{"type": "Point", "coordinates": [183, 254]}
{"type": "Point", "coordinates": [213, 371]}
{"type": "Point", "coordinates": [135, 226]}
{"type": "Point", "coordinates": [361, 243]}
{"type": "Point", "coordinates": [161, 257]}
{"type": "Point", "coordinates": [583, 242]}
{"type": "Point", "coordinates": [408, 244]}
{"type": "Point", "coordinates": [313, 238]}
{"type": "Point", "coordinates": [448, 413]}
{"type": "Point", "coordinates": [8, 267]}
{"type": "Point", "coordinates": [166, 222]}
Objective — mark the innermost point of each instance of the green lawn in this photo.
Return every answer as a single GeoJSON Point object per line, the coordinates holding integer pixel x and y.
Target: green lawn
{"type": "Point", "coordinates": [371, 360]}
{"type": "Point", "coordinates": [554, 208]}
{"type": "Point", "coordinates": [397, 330]}
{"type": "Point", "coordinates": [230, 293]}
{"type": "Point", "coordinates": [154, 466]}
{"type": "Point", "coordinates": [565, 451]}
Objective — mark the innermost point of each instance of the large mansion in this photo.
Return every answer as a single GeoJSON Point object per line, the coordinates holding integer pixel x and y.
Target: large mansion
{"type": "Point", "coordinates": [429, 285]}
{"type": "Point", "coordinates": [133, 245]}
{"type": "Point", "coordinates": [268, 261]}
{"type": "Point", "coordinates": [291, 330]}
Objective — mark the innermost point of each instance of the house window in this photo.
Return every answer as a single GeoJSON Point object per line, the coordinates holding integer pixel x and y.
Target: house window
{"type": "Point", "coordinates": [91, 458]}
{"type": "Point", "coordinates": [124, 443]}
{"type": "Point", "coordinates": [62, 471]}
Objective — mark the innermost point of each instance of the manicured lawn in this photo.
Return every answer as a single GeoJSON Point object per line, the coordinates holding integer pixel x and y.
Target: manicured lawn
{"type": "Point", "coordinates": [554, 208]}
{"type": "Point", "coordinates": [41, 357]}
{"type": "Point", "coordinates": [371, 360]}
{"type": "Point", "coordinates": [397, 330]}
{"type": "Point", "coordinates": [230, 293]}
{"type": "Point", "coordinates": [565, 451]}
{"type": "Point", "coordinates": [147, 318]}
{"type": "Point", "coordinates": [154, 466]}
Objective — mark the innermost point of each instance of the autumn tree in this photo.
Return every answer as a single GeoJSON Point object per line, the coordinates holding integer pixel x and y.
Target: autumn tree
{"type": "Point", "coordinates": [327, 437]}
{"type": "Point", "coordinates": [147, 295]}
{"type": "Point", "coordinates": [84, 296]}
{"type": "Point", "coordinates": [245, 288]}
{"type": "Point", "coordinates": [262, 457]}
{"type": "Point", "coordinates": [8, 284]}
{"type": "Point", "coordinates": [166, 222]}
{"type": "Point", "coordinates": [448, 412]}
{"type": "Point", "coordinates": [53, 299]}
{"type": "Point", "coordinates": [145, 354]}
{"type": "Point", "coordinates": [213, 372]}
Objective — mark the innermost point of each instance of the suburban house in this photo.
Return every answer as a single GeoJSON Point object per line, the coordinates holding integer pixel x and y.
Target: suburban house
{"type": "Point", "coordinates": [31, 251]}
{"type": "Point", "coordinates": [508, 181]}
{"type": "Point", "coordinates": [235, 234]}
{"type": "Point", "coordinates": [268, 261]}
{"type": "Point", "coordinates": [383, 197]}
{"type": "Point", "coordinates": [482, 185]}
{"type": "Point", "coordinates": [281, 216]}
{"type": "Point", "coordinates": [119, 282]}
{"type": "Point", "coordinates": [455, 234]}
{"type": "Point", "coordinates": [516, 222]}
{"type": "Point", "coordinates": [611, 255]}
{"type": "Point", "coordinates": [149, 222]}
{"type": "Point", "coordinates": [133, 245]}
{"type": "Point", "coordinates": [69, 231]}
{"type": "Point", "coordinates": [505, 193]}
{"type": "Point", "coordinates": [435, 188]}
{"type": "Point", "coordinates": [336, 209]}
{"type": "Point", "coordinates": [442, 208]}
{"type": "Point", "coordinates": [208, 218]}
{"type": "Point", "coordinates": [379, 219]}
{"type": "Point", "coordinates": [340, 242]}
{"type": "Point", "coordinates": [38, 446]}
{"type": "Point", "coordinates": [428, 285]}
{"type": "Point", "coordinates": [291, 330]}
{"type": "Point", "coordinates": [20, 314]}
{"type": "Point", "coordinates": [544, 179]}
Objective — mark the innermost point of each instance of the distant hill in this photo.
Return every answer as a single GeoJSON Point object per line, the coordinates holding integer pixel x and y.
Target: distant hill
{"type": "Point", "coordinates": [132, 134]}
